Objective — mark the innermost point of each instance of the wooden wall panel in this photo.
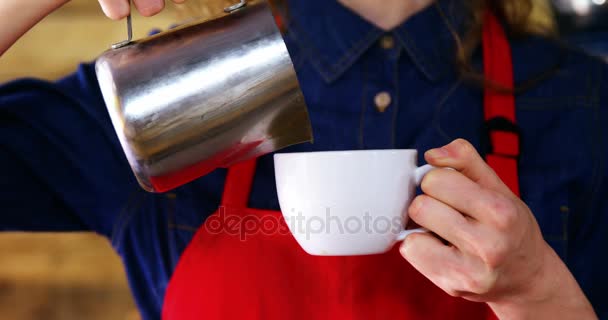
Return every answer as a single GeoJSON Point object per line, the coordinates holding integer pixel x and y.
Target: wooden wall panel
{"type": "Point", "coordinates": [76, 275]}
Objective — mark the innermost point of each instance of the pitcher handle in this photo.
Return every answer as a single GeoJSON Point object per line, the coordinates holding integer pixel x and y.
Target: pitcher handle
{"type": "Point", "coordinates": [129, 33]}
{"type": "Point", "coordinates": [236, 6]}
{"type": "Point", "coordinates": [123, 43]}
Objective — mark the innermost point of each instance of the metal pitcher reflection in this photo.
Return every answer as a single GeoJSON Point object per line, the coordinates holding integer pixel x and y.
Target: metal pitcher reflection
{"type": "Point", "coordinates": [203, 96]}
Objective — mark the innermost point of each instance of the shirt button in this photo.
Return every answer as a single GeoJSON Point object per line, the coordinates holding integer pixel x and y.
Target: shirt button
{"type": "Point", "coordinates": [382, 101]}
{"type": "Point", "coordinates": [387, 42]}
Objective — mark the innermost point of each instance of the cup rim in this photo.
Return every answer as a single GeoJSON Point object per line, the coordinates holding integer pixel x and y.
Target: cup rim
{"type": "Point", "coordinates": [345, 152]}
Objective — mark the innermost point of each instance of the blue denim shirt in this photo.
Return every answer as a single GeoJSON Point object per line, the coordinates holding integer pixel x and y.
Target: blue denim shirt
{"type": "Point", "coordinates": [63, 169]}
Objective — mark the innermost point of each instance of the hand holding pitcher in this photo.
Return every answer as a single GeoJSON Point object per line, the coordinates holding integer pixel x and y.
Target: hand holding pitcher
{"type": "Point", "coordinates": [118, 9]}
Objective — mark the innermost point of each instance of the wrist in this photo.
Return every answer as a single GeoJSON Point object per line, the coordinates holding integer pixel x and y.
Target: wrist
{"type": "Point", "coordinates": [553, 293]}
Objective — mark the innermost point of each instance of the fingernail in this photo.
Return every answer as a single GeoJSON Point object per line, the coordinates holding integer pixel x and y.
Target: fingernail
{"type": "Point", "coordinates": [416, 204]}
{"type": "Point", "coordinates": [437, 153]}
{"type": "Point", "coordinates": [403, 248]}
{"type": "Point", "coordinates": [151, 7]}
{"type": "Point", "coordinates": [116, 11]}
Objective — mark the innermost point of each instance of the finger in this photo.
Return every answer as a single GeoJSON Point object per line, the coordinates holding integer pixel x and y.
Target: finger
{"type": "Point", "coordinates": [462, 156]}
{"type": "Point", "coordinates": [149, 8]}
{"type": "Point", "coordinates": [115, 9]}
{"type": "Point", "coordinates": [432, 258]}
{"type": "Point", "coordinates": [447, 267]}
{"type": "Point", "coordinates": [461, 193]}
{"type": "Point", "coordinates": [443, 220]}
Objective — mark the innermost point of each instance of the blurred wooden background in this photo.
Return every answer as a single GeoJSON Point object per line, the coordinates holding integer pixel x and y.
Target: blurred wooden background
{"type": "Point", "coordinates": [65, 276]}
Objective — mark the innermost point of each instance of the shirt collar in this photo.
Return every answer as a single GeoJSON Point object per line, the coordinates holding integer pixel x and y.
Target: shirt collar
{"type": "Point", "coordinates": [334, 38]}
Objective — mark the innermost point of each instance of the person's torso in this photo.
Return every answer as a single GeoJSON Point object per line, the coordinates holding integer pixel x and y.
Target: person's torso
{"type": "Point", "coordinates": [389, 90]}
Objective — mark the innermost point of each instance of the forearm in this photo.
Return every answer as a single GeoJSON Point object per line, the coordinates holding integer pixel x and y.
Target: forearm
{"type": "Point", "coordinates": [18, 16]}
{"type": "Point", "coordinates": [556, 295]}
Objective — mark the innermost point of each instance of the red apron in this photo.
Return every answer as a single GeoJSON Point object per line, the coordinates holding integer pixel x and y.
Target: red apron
{"type": "Point", "coordinates": [268, 276]}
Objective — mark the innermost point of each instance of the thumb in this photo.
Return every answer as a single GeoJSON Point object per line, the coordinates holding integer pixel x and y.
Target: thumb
{"type": "Point", "coordinates": [462, 156]}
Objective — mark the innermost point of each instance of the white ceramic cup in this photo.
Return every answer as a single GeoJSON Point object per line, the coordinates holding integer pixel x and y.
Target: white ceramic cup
{"type": "Point", "coordinates": [339, 203]}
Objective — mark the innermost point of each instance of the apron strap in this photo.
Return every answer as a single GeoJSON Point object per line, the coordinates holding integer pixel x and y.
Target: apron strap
{"type": "Point", "coordinates": [499, 114]}
{"type": "Point", "coordinates": [238, 184]}
{"type": "Point", "coordinates": [502, 132]}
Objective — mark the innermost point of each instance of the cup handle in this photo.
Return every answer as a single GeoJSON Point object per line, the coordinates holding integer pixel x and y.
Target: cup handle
{"type": "Point", "coordinates": [419, 174]}
{"type": "Point", "coordinates": [403, 234]}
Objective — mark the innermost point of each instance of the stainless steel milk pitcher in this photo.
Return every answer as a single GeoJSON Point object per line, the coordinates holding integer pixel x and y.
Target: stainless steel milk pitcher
{"type": "Point", "coordinates": [203, 96]}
